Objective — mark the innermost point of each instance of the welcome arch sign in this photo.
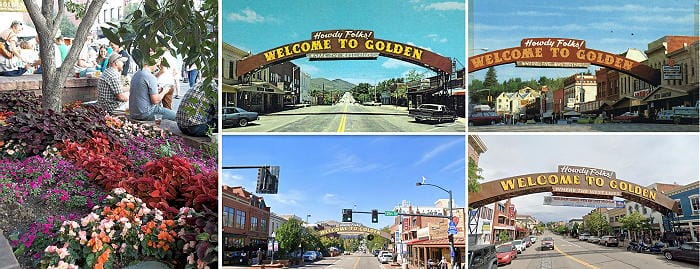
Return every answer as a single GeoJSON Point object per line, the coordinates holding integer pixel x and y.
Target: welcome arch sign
{"type": "Point", "coordinates": [353, 229]}
{"type": "Point", "coordinates": [344, 45]}
{"type": "Point", "coordinates": [573, 181]}
{"type": "Point", "coordinates": [562, 53]}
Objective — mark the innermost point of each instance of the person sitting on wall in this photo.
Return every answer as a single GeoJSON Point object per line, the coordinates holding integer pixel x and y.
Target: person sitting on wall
{"type": "Point", "coordinates": [110, 94]}
{"type": "Point", "coordinates": [145, 95]}
{"type": "Point", "coordinates": [197, 112]}
{"type": "Point", "coordinates": [10, 62]}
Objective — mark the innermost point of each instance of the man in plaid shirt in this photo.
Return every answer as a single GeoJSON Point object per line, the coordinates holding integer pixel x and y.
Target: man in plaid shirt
{"type": "Point", "coordinates": [197, 112]}
{"type": "Point", "coordinates": [110, 94]}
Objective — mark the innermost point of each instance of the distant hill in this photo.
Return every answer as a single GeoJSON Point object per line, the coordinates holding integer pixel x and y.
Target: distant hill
{"type": "Point", "coordinates": [330, 85]}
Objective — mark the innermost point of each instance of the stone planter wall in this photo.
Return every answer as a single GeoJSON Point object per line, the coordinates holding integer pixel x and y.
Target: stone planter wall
{"type": "Point", "coordinates": [83, 89]}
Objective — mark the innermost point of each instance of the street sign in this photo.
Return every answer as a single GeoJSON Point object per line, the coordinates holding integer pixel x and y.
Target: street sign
{"type": "Point", "coordinates": [452, 229]}
{"type": "Point", "coordinates": [390, 213]}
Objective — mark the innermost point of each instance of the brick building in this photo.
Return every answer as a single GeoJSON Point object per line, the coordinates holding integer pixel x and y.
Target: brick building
{"type": "Point", "coordinates": [245, 220]}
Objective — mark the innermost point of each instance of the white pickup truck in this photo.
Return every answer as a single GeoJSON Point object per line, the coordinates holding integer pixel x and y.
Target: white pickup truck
{"type": "Point", "coordinates": [432, 112]}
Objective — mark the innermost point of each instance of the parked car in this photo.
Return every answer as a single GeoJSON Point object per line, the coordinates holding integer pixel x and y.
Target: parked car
{"type": "Point", "coordinates": [232, 116]}
{"type": "Point", "coordinates": [609, 241]}
{"type": "Point", "coordinates": [482, 257]}
{"type": "Point", "coordinates": [533, 238]}
{"type": "Point", "coordinates": [583, 237]}
{"type": "Point", "coordinates": [627, 117]}
{"type": "Point", "coordinates": [235, 258]}
{"type": "Point", "coordinates": [527, 242]}
{"type": "Point", "coordinates": [685, 114]}
{"type": "Point", "coordinates": [519, 244]}
{"type": "Point", "coordinates": [593, 239]}
{"type": "Point", "coordinates": [547, 243]}
{"type": "Point", "coordinates": [483, 118]}
{"type": "Point", "coordinates": [386, 257]}
{"type": "Point", "coordinates": [506, 253]}
{"type": "Point", "coordinates": [319, 255]}
{"type": "Point", "coordinates": [310, 256]}
{"type": "Point", "coordinates": [432, 112]}
{"type": "Point", "coordinates": [375, 252]}
{"type": "Point", "coordinates": [379, 256]}
{"type": "Point", "coordinates": [664, 116]}
{"type": "Point", "coordinates": [688, 251]}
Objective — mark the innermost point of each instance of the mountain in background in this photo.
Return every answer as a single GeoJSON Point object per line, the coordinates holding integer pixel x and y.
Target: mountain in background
{"type": "Point", "coordinates": [330, 85]}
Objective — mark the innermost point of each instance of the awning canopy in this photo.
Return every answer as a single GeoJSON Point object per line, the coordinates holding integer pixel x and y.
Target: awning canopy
{"type": "Point", "coordinates": [439, 243]}
{"type": "Point", "coordinates": [256, 86]}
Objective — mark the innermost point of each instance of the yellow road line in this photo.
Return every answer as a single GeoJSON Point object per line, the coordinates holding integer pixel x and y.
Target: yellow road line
{"type": "Point", "coordinates": [575, 259]}
{"type": "Point", "coordinates": [343, 120]}
{"type": "Point", "coordinates": [356, 263]}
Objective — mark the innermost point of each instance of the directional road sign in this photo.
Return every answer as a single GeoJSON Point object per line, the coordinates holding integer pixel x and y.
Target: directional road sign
{"type": "Point", "coordinates": [390, 213]}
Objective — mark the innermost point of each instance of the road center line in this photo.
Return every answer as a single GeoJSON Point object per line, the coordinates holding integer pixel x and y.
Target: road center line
{"type": "Point", "coordinates": [356, 263]}
{"type": "Point", "coordinates": [343, 120]}
{"type": "Point", "coordinates": [575, 259]}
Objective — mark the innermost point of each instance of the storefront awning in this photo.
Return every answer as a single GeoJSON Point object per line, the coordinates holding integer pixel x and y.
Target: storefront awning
{"type": "Point", "coordinates": [257, 86]}
{"type": "Point", "coordinates": [440, 243]}
{"type": "Point", "coordinates": [414, 241]}
{"type": "Point", "coordinates": [628, 101]}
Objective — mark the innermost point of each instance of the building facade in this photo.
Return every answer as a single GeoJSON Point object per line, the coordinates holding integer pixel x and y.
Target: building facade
{"type": "Point", "coordinates": [687, 224]}
{"type": "Point", "coordinates": [245, 220]}
{"type": "Point", "coordinates": [578, 89]}
{"type": "Point", "coordinates": [512, 104]}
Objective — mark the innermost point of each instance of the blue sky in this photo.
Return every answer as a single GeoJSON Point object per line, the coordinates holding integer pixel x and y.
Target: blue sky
{"type": "Point", "coordinates": [639, 158]}
{"type": "Point", "coordinates": [321, 175]}
{"type": "Point", "coordinates": [612, 26]}
{"type": "Point", "coordinates": [438, 26]}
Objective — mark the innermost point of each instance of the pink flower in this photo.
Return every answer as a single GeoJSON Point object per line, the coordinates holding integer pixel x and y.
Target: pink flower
{"type": "Point", "coordinates": [62, 253]}
{"type": "Point", "coordinates": [50, 249]}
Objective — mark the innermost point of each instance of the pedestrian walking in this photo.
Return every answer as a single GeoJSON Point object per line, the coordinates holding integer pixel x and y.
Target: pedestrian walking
{"type": "Point", "coordinates": [260, 254]}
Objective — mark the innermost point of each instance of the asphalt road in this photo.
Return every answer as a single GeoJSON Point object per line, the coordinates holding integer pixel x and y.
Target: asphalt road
{"type": "Point", "coordinates": [606, 127]}
{"type": "Point", "coordinates": [354, 261]}
{"type": "Point", "coordinates": [345, 117]}
{"type": "Point", "coordinates": [573, 254]}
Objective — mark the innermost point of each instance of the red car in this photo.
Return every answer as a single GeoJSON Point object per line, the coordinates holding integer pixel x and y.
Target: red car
{"type": "Point", "coordinates": [483, 118]}
{"type": "Point", "coordinates": [506, 253]}
{"type": "Point", "coordinates": [627, 117]}
{"type": "Point", "coordinates": [547, 243]}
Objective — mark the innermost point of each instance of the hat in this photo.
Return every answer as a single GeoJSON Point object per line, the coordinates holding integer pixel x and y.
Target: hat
{"type": "Point", "coordinates": [116, 57]}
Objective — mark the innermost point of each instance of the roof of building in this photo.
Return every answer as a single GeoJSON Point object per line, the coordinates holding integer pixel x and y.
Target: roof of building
{"type": "Point", "coordinates": [693, 185]}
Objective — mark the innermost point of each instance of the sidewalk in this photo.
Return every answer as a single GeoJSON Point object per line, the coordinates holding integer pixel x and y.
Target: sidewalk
{"type": "Point", "coordinates": [7, 258]}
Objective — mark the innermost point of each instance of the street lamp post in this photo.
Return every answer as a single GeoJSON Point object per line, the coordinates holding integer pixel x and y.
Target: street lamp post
{"type": "Point", "coordinates": [272, 260]}
{"type": "Point", "coordinates": [449, 204]}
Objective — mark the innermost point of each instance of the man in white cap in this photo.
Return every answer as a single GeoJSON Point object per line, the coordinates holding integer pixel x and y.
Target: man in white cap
{"type": "Point", "coordinates": [111, 95]}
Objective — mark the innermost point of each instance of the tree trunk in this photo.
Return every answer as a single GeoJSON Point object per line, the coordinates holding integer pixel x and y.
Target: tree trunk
{"type": "Point", "coordinates": [47, 21]}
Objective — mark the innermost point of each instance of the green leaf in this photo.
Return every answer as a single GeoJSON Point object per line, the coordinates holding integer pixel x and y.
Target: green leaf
{"type": "Point", "coordinates": [203, 237]}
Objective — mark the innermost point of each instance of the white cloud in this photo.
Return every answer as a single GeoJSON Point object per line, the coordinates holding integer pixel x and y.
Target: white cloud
{"type": "Point", "coordinates": [291, 198]}
{"type": "Point", "coordinates": [234, 180]}
{"type": "Point", "coordinates": [437, 38]}
{"type": "Point", "coordinates": [439, 149]}
{"type": "Point", "coordinates": [349, 163]}
{"type": "Point", "coordinates": [631, 8]}
{"type": "Point", "coordinates": [332, 199]}
{"type": "Point", "coordinates": [425, 48]}
{"type": "Point", "coordinates": [457, 165]}
{"type": "Point", "coordinates": [536, 14]}
{"type": "Point", "coordinates": [247, 15]}
{"type": "Point", "coordinates": [394, 64]}
{"type": "Point", "coordinates": [445, 6]}
{"type": "Point", "coordinates": [690, 18]}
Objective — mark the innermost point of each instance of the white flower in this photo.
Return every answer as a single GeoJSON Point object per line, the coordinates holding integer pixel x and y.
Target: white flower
{"type": "Point", "coordinates": [10, 152]}
{"type": "Point", "coordinates": [119, 191]}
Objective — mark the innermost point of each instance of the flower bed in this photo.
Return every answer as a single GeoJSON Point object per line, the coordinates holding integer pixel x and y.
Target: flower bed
{"type": "Point", "coordinates": [57, 169]}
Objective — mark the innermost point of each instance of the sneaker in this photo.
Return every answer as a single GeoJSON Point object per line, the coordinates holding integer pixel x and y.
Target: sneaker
{"type": "Point", "coordinates": [177, 97]}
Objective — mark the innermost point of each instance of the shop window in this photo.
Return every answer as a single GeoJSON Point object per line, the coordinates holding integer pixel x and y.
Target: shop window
{"type": "Point", "coordinates": [253, 224]}
{"type": "Point", "coordinates": [240, 220]}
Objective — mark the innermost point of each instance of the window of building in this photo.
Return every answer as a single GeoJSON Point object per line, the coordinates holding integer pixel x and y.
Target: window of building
{"type": "Point", "coordinates": [694, 204]}
{"type": "Point", "coordinates": [680, 206]}
{"type": "Point", "coordinates": [644, 210]}
{"type": "Point", "coordinates": [224, 216]}
{"type": "Point", "coordinates": [636, 207]}
{"type": "Point", "coordinates": [240, 219]}
{"type": "Point", "coordinates": [263, 225]}
{"type": "Point", "coordinates": [230, 69]}
{"type": "Point", "coordinates": [253, 224]}
{"type": "Point", "coordinates": [630, 209]}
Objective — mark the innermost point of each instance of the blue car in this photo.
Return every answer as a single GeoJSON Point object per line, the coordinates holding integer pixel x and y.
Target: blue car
{"type": "Point", "coordinates": [232, 116]}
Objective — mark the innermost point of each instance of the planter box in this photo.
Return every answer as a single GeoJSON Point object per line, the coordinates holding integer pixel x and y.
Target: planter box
{"type": "Point", "coordinates": [83, 89]}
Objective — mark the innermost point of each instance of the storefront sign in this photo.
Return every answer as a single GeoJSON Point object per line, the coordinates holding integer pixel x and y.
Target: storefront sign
{"type": "Point", "coordinates": [562, 53]}
{"type": "Point", "coordinates": [345, 45]}
{"type": "Point", "coordinates": [671, 72]}
{"type": "Point", "coordinates": [582, 202]}
{"type": "Point", "coordinates": [573, 181]}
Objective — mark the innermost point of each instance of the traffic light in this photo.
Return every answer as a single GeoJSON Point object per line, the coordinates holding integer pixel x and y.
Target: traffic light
{"type": "Point", "coordinates": [347, 215]}
{"type": "Point", "coordinates": [375, 216]}
{"type": "Point", "coordinates": [262, 178]}
{"type": "Point", "coordinates": [268, 179]}
{"type": "Point", "coordinates": [370, 237]}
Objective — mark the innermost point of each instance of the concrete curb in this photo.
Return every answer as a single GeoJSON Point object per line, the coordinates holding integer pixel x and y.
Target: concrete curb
{"type": "Point", "coordinates": [7, 257]}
